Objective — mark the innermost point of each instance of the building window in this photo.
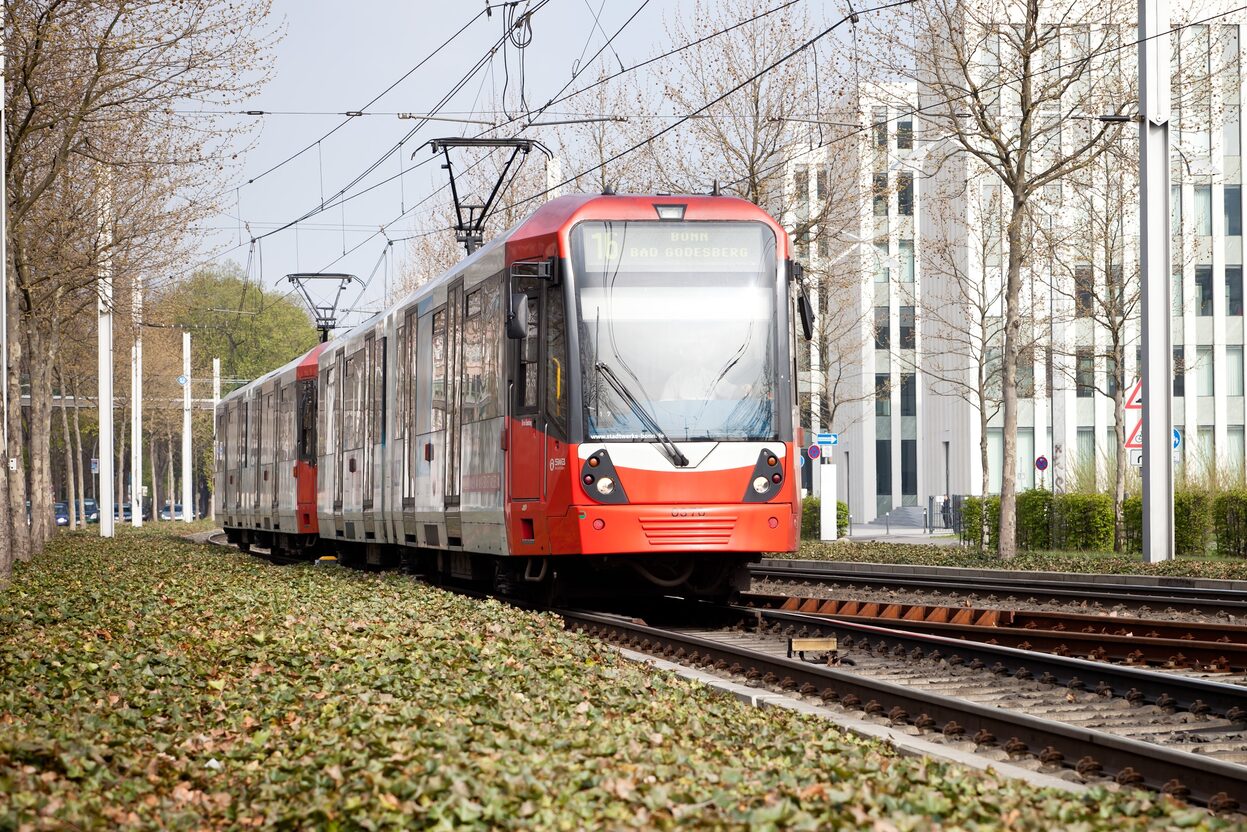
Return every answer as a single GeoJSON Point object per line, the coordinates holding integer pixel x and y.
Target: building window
{"type": "Point", "coordinates": [1235, 452]}
{"type": "Point", "coordinates": [824, 247]}
{"type": "Point", "coordinates": [1179, 372]}
{"type": "Point", "coordinates": [909, 394]}
{"type": "Point", "coordinates": [905, 194]}
{"type": "Point", "coordinates": [1084, 373]}
{"type": "Point", "coordinates": [1048, 369]}
{"type": "Point", "coordinates": [1233, 210]}
{"type": "Point", "coordinates": [1084, 287]}
{"type": "Point", "coordinates": [906, 250]}
{"type": "Point", "coordinates": [1205, 385]}
{"type": "Point", "coordinates": [1026, 377]}
{"type": "Point", "coordinates": [1203, 210]}
{"type": "Point", "coordinates": [823, 180]}
{"type": "Point", "coordinates": [1203, 291]}
{"type": "Point", "coordinates": [1231, 144]}
{"type": "Point", "coordinates": [1175, 209]}
{"type": "Point", "coordinates": [1176, 295]}
{"type": "Point", "coordinates": [882, 328]}
{"type": "Point", "coordinates": [1086, 446]}
{"type": "Point", "coordinates": [881, 194]}
{"type": "Point", "coordinates": [1234, 290]}
{"type": "Point", "coordinates": [1206, 445]}
{"type": "Point", "coordinates": [883, 395]}
{"type": "Point", "coordinates": [909, 467]}
{"type": "Point", "coordinates": [1110, 376]}
{"type": "Point", "coordinates": [905, 132]}
{"type": "Point", "coordinates": [882, 272]}
{"type": "Point", "coordinates": [908, 336]}
{"type": "Point", "coordinates": [879, 115]}
{"type": "Point", "coordinates": [883, 467]}
{"type": "Point", "coordinates": [1234, 370]}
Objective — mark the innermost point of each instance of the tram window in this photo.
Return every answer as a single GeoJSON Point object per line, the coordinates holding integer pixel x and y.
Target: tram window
{"type": "Point", "coordinates": [378, 390]}
{"type": "Point", "coordinates": [529, 356]}
{"type": "Point", "coordinates": [473, 358]}
{"type": "Point", "coordinates": [244, 426]}
{"type": "Point", "coordinates": [556, 357]}
{"type": "Point", "coordinates": [439, 370]}
{"type": "Point", "coordinates": [322, 414]}
{"type": "Point", "coordinates": [306, 425]}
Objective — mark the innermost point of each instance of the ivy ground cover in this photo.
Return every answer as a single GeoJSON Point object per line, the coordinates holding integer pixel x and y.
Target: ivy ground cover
{"type": "Point", "coordinates": [154, 683]}
{"type": "Point", "coordinates": [926, 554]}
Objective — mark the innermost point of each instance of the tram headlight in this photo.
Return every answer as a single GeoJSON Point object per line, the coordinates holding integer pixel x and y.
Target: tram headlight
{"type": "Point", "coordinates": [760, 485]}
{"type": "Point", "coordinates": [606, 486]}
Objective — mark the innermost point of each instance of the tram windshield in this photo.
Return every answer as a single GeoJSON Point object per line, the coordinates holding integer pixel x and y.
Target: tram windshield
{"type": "Point", "coordinates": [677, 324]}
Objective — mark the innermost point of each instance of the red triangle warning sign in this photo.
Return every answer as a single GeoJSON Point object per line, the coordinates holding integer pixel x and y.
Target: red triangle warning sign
{"type": "Point", "coordinates": [1135, 440]}
{"type": "Point", "coordinates": [1135, 400]}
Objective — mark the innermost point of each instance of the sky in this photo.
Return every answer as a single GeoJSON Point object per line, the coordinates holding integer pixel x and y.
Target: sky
{"type": "Point", "coordinates": [336, 56]}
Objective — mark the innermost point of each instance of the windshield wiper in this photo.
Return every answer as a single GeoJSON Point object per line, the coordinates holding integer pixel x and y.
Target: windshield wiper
{"type": "Point", "coordinates": [677, 458]}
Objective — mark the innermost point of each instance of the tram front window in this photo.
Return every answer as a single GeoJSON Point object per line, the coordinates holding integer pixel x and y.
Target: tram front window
{"type": "Point", "coordinates": [683, 315]}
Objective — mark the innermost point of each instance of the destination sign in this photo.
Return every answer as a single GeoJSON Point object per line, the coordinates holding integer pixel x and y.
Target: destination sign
{"type": "Point", "coordinates": [632, 245]}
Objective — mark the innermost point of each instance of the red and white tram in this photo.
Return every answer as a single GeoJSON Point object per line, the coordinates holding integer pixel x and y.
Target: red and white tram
{"type": "Point", "coordinates": [607, 389]}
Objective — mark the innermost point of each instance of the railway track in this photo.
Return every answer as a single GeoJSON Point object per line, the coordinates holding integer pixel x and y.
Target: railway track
{"type": "Point", "coordinates": [1216, 648]}
{"type": "Point", "coordinates": [1170, 733]}
{"type": "Point", "coordinates": [1173, 596]}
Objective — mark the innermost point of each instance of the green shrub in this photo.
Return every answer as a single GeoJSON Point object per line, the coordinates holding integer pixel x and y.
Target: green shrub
{"type": "Point", "coordinates": [1229, 512]}
{"type": "Point", "coordinates": [1192, 522]}
{"type": "Point", "coordinates": [1083, 522]}
{"type": "Point", "coordinates": [972, 522]}
{"type": "Point", "coordinates": [810, 514]}
{"type": "Point", "coordinates": [1035, 520]}
{"type": "Point", "coordinates": [1132, 519]}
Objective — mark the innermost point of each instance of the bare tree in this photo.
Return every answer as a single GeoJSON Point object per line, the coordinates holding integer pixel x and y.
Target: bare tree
{"type": "Point", "coordinates": [102, 136]}
{"type": "Point", "coordinates": [1087, 243]}
{"type": "Point", "coordinates": [998, 81]}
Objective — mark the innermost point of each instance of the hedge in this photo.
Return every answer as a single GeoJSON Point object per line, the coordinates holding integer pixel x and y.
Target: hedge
{"type": "Point", "coordinates": [1229, 519]}
{"type": "Point", "coordinates": [1083, 522]}
{"type": "Point", "coordinates": [810, 508]}
{"type": "Point", "coordinates": [1192, 522]}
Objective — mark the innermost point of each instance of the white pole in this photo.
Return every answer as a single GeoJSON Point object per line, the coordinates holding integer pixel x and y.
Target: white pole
{"type": "Point", "coordinates": [136, 409]}
{"type": "Point", "coordinates": [186, 427]}
{"type": "Point", "coordinates": [4, 256]}
{"type": "Point", "coordinates": [104, 352]}
{"type": "Point", "coordinates": [216, 398]}
{"type": "Point", "coordinates": [1154, 57]}
{"type": "Point", "coordinates": [827, 504]}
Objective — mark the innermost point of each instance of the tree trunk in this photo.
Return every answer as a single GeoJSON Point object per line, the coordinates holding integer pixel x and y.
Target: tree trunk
{"type": "Point", "coordinates": [119, 438]}
{"type": "Point", "coordinates": [171, 485]}
{"type": "Point", "coordinates": [1119, 475]}
{"type": "Point", "coordinates": [19, 528]}
{"type": "Point", "coordinates": [151, 453]}
{"type": "Point", "coordinates": [78, 464]}
{"type": "Point", "coordinates": [70, 493]}
{"type": "Point", "coordinates": [1008, 385]}
{"type": "Point", "coordinates": [40, 363]}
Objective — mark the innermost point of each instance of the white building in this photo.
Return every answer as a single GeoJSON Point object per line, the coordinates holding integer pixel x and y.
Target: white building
{"type": "Point", "coordinates": [901, 264]}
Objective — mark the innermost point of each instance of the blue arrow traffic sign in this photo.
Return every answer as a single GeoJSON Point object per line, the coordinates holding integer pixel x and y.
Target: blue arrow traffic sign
{"type": "Point", "coordinates": [1177, 438]}
{"type": "Point", "coordinates": [829, 439]}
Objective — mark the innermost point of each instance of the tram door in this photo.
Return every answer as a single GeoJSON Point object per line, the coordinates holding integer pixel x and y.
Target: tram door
{"type": "Point", "coordinates": [454, 414]}
{"type": "Point", "coordinates": [528, 446]}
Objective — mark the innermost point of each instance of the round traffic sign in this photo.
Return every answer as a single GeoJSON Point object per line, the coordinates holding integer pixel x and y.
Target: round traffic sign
{"type": "Point", "coordinates": [1042, 463]}
{"type": "Point", "coordinates": [814, 451]}
{"type": "Point", "coordinates": [1177, 438]}
{"type": "Point", "coordinates": [182, 381]}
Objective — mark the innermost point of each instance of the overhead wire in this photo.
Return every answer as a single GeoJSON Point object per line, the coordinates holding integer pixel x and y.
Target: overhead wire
{"type": "Point", "coordinates": [351, 115]}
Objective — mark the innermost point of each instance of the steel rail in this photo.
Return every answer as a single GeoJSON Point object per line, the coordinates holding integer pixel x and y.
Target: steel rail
{"type": "Point", "coordinates": [1208, 781]}
{"type": "Point", "coordinates": [1167, 690]}
{"type": "Point", "coordinates": [1176, 596]}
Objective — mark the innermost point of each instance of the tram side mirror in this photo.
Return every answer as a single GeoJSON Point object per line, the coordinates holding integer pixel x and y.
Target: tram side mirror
{"type": "Point", "coordinates": [807, 316]}
{"type": "Point", "coordinates": [517, 320]}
